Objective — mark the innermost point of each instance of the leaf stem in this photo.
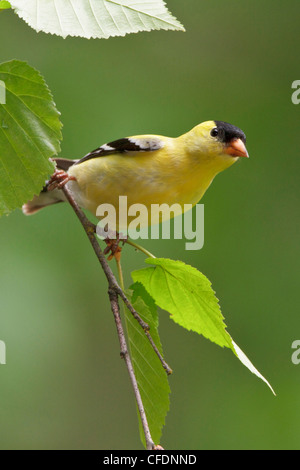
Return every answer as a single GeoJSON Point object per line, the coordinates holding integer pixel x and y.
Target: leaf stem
{"type": "Point", "coordinates": [120, 273]}
{"type": "Point", "coordinates": [140, 248]}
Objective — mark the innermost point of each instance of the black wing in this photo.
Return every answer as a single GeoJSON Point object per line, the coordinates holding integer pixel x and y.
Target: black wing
{"type": "Point", "coordinates": [64, 163]}
{"type": "Point", "coordinates": [127, 144]}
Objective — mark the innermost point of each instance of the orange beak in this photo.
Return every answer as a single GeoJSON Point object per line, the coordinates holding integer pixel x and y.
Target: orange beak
{"type": "Point", "coordinates": [236, 148]}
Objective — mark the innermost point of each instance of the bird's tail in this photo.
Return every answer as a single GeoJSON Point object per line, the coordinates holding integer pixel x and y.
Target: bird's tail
{"type": "Point", "coordinates": [44, 199]}
{"type": "Point", "coordinates": [47, 198]}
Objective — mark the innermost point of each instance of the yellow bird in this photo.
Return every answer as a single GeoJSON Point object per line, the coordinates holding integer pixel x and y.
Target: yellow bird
{"type": "Point", "coordinates": [148, 169]}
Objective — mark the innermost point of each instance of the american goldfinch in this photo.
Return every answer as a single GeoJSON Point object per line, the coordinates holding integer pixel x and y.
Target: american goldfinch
{"type": "Point", "coordinates": [149, 169]}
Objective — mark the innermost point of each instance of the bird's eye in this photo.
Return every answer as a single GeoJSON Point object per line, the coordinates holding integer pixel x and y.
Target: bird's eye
{"type": "Point", "coordinates": [214, 132]}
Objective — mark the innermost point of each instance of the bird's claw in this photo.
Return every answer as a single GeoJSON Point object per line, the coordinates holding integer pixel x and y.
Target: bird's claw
{"type": "Point", "coordinates": [59, 179]}
{"type": "Point", "coordinates": [113, 248]}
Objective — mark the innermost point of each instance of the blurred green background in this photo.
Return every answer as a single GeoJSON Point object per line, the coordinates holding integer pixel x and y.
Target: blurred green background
{"type": "Point", "coordinates": [64, 385]}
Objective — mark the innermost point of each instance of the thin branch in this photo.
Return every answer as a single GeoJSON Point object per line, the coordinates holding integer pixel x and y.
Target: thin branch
{"type": "Point", "coordinates": [114, 290]}
{"type": "Point", "coordinates": [90, 230]}
{"type": "Point", "coordinates": [167, 368]}
{"type": "Point", "coordinates": [113, 297]}
{"type": "Point", "coordinates": [156, 350]}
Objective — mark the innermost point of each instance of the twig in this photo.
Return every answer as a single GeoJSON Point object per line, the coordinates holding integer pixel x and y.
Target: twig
{"type": "Point", "coordinates": [90, 229]}
{"type": "Point", "coordinates": [113, 297]}
{"type": "Point", "coordinates": [167, 368]}
{"type": "Point", "coordinates": [114, 291]}
{"type": "Point", "coordinates": [163, 362]}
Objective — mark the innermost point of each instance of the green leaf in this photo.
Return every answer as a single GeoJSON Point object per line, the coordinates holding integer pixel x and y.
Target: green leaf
{"type": "Point", "coordinates": [95, 18]}
{"type": "Point", "coordinates": [30, 133]}
{"type": "Point", "coordinates": [187, 295]}
{"type": "Point", "coordinates": [150, 375]}
{"type": "Point", "coordinates": [4, 5]}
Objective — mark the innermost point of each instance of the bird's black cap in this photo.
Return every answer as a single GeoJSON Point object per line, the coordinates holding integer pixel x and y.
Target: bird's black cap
{"type": "Point", "coordinates": [227, 132]}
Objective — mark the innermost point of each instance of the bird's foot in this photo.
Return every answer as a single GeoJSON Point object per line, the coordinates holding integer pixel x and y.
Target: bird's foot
{"type": "Point", "coordinates": [113, 248]}
{"type": "Point", "coordinates": [59, 179]}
